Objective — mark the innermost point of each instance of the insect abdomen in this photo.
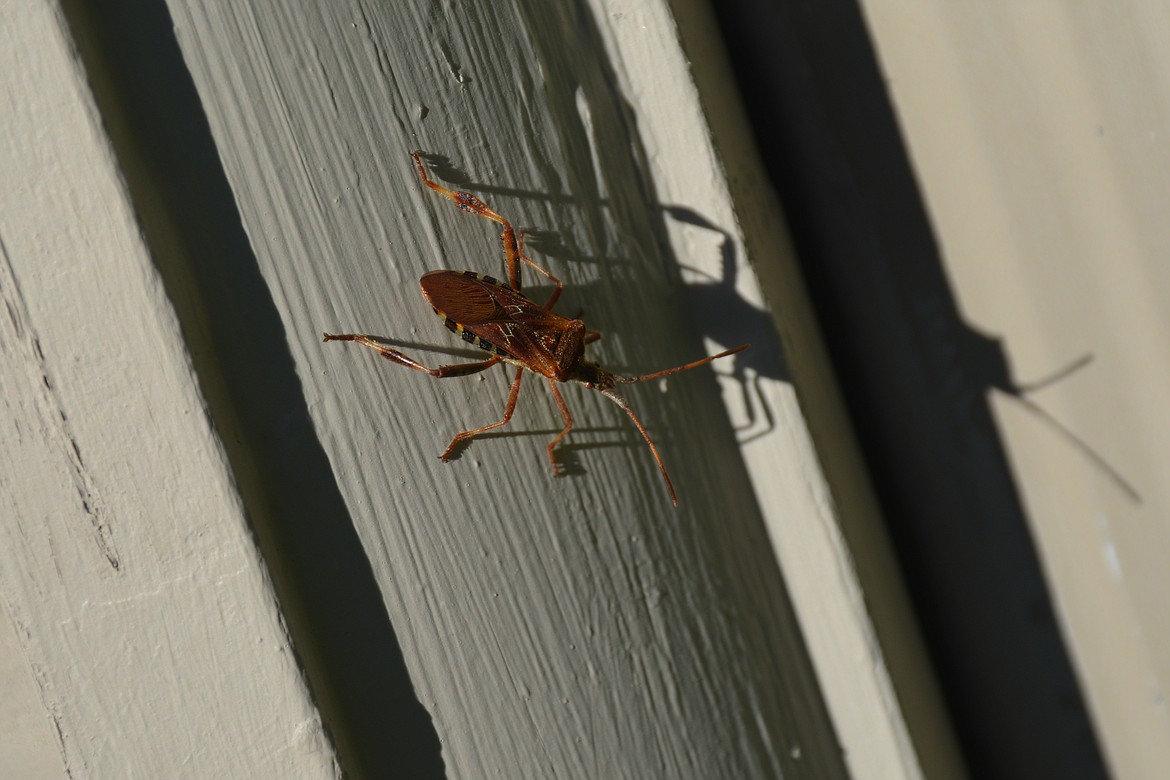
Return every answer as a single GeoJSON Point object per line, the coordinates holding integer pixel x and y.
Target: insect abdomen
{"type": "Point", "coordinates": [470, 337]}
{"type": "Point", "coordinates": [455, 327]}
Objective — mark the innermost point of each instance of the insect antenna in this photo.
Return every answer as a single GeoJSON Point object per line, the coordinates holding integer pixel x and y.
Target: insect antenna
{"type": "Point", "coordinates": [617, 399]}
{"type": "Point", "coordinates": [629, 380]}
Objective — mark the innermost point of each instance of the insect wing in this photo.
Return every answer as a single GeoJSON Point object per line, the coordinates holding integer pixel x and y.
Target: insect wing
{"type": "Point", "coordinates": [493, 312]}
{"type": "Point", "coordinates": [465, 299]}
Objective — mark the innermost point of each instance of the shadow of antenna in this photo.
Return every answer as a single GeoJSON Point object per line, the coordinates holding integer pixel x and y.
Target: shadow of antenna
{"type": "Point", "coordinates": [1055, 376]}
{"type": "Point", "coordinates": [1021, 391]}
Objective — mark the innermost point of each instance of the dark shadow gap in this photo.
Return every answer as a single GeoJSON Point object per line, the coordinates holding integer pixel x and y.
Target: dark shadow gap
{"type": "Point", "coordinates": [328, 595]}
{"type": "Point", "coordinates": [916, 378]}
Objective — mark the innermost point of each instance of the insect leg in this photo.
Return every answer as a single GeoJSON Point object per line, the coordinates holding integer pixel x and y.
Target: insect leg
{"type": "Point", "coordinates": [625, 380]}
{"type": "Point", "coordinates": [473, 205]}
{"type": "Point", "coordinates": [442, 372]}
{"type": "Point", "coordinates": [568, 418]}
{"type": "Point", "coordinates": [542, 271]}
{"type": "Point", "coordinates": [513, 394]}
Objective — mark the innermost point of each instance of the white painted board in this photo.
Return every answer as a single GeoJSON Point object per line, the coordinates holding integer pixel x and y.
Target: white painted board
{"type": "Point", "coordinates": [143, 613]}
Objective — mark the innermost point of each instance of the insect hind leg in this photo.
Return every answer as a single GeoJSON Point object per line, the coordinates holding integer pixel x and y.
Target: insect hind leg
{"type": "Point", "coordinates": [567, 417]}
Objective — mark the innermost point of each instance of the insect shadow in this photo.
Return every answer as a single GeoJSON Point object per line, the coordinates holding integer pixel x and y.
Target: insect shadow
{"type": "Point", "coordinates": [737, 315]}
{"type": "Point", "coordinates": [765, 360]}
{"type": "Point", "coordinates": [738, 320]}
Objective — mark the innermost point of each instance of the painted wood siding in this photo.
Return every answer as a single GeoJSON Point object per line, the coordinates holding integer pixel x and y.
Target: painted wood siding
{"type": "Point", "coordinates": [220, 532]}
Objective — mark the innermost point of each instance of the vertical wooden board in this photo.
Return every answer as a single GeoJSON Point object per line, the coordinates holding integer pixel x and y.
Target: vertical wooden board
{"type": "Point", "coordinates": [28, 747]}
{"type": "Point", "coordinates": [1037, 133]}
{"type": "Point", "coordinates": [812, 491]}
{"type": "Point", "coordinates": [577, 627]}
{"type": "Point", "coordinates": [126, 566]}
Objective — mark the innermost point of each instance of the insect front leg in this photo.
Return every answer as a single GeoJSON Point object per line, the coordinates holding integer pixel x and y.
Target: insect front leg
{"type": "Point", "coordinates": [513, 246]}
{"type": "Point", "coordinates": [513, 394]}
{"type": "Point", "coordinates": [473, 205]}
{"type": "Point", "coordinates": [393, 355]}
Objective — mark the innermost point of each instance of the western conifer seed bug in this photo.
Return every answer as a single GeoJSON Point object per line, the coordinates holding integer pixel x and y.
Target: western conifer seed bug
{"type": "Point", "coordinates": [500, 319]}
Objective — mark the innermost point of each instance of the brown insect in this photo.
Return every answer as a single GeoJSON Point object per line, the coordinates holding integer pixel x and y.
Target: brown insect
{"type": "Point", "coordinates": [516, 330]}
